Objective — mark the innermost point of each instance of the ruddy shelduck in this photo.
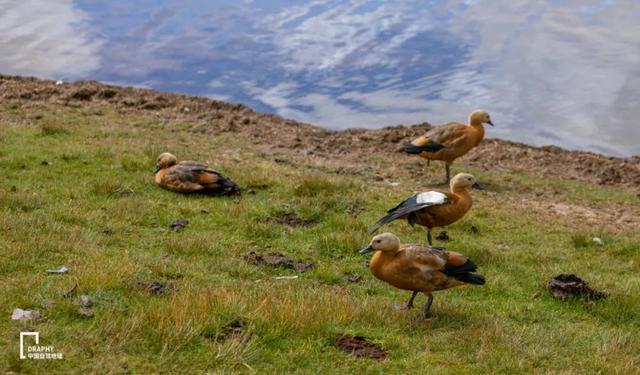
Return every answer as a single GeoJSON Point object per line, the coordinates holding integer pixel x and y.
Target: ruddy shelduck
{"type": "Point", "coordinates": [451, 141]}
{"type": "Point", "coordinates": [190, 176]}
{"type": "Point", "coordinates": [433, 208]}
{"type": "Point", "coordinates": [419, 268]}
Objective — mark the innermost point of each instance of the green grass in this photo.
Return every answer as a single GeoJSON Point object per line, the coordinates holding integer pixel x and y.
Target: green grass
{"type": "Point", "coordinates": [95, 209]}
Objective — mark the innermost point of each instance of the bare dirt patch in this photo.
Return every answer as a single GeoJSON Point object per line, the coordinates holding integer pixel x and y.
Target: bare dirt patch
{"type": "Point", "coordinates": [277, 260]}
{"type": "Point", "coordinates": [565, 286]}
{"type": "Point", "coordinates": [293, 220]}
{"type": "Point", "coordinates": [298, 140]}
{"type": "Point", "coordinates": [360, 347]}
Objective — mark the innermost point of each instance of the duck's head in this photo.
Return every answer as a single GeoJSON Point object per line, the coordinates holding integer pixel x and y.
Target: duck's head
{"type": "Point", "coordinates": [479, 117]}
{"type": "Point", "coordinates": [464, 181]}
{"type": "Point", "coordinates": [385, 242]}
{"type": "Point", "coordinates": [165, 160]}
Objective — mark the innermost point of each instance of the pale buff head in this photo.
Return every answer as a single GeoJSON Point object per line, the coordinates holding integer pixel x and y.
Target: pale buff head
{"type": "Point", "coordinates": [479, 117]}
{"type": "Point", "coordinates": [166, 160]}
{"type": "Point", "coordinates": [385, 242]}
{"type": "Point", "coordinates": [462, 181]}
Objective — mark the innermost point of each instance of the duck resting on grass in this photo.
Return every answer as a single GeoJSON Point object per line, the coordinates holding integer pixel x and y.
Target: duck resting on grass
{"type": "Point", "coordinates": [451, 141]}
{"type": "Point", "coordinates": [190, 176]}
{"type": "Point", "coordinates": [419, 268]}
{"type": "Point", "coordinates": [433, 208]}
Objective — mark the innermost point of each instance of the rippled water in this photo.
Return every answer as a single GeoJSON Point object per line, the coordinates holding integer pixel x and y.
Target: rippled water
{"type": "Point", "coordinates": [550, 72]}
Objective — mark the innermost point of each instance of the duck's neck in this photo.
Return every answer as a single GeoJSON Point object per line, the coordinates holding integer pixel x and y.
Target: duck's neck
{"type": "Point", "coordinates": [160, 175]}
{"type": "Point", "coordinates": [463, 193]}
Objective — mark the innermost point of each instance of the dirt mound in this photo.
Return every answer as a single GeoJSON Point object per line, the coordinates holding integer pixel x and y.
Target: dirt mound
{"type": "Point", "coordinates": [274, 133]}
{"type": "Point", "coordinates": [277, 260]}
{"type": "Point", "coordinates": [360, 347]}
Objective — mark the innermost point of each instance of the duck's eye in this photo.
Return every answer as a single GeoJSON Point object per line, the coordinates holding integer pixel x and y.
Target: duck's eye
{"type": "Point", "coordinates": [469, 178]}
{"type": "Point", "coordinates": [378, 241]}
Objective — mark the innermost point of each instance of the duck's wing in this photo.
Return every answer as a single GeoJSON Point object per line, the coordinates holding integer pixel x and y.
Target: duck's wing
{"type": "Point", "coordinates": [436, 139]}
{"type": "Point", "coordinates": [449, 263]}
{"type": "Point", "coordinates": [210, 179]}
{"type": "Point", "coordinates": [412, 204]}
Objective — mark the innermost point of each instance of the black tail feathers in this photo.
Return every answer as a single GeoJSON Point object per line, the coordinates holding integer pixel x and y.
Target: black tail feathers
{"type": "Point", "coordinates": [429, 147]}
{"type": "Point", "coordinates": [471, 278]}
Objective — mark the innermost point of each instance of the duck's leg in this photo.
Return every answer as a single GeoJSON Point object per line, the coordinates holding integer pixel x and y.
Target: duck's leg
{"type": "Point", "coordinates": [429, 239]}
{"type": "Point", "coordinates": [447, 168]}
{"type": "Point", "coordinates": [427, 306]}
{"type": "Point", "coordinates": [409, 304]}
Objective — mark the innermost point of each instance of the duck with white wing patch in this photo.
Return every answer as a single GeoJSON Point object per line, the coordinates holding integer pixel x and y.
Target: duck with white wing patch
{"type": "Point", "coordinates": [433, 208]}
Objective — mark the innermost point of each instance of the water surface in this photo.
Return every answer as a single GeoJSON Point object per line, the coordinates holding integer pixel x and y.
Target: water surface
{"type": "Point", "coordinates": [550, 72]}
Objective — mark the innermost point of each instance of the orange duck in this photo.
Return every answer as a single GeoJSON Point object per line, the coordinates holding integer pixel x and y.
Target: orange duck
{"type": "Point", "coordinates": [451, 141]}
{"type": "Point", "coordinates": [190, 176]}
{"type": "Point", "coordinates": [433, 208]}
{"type": "Point", "coordinates": [419, 268]}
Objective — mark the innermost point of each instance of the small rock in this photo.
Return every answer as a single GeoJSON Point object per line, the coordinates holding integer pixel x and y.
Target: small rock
{"type": "Point", "coordinates": [598, 241]}
{"type": "Point", "coordinates": [286, 277]}
{"type": "Point", "coordinates": [106, 230]}
{"type": "Point", "coordinates": [536, 295]}
{"type": "Point", "coordinates": [443, 236]}
{"type": "Point", "coordinates": [85, 312]}
{"type": "Point", "coordinates": [59, 82]}
{"type": "Point", "coordinates": [45, 162]}
{"type": "Point", "coordinates": [178, 225]}
{"type": "Point", "coordinates": [85, 301]}
{"type": "Point", "coordinates": [23, 315]}
{"type": "Point", "coordinates": [394, 184]}
{"type": "Point", "coordinates": [60, 270]}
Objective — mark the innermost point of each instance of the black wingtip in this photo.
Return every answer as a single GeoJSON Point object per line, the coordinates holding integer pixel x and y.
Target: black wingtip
{"type": "Point", "coordinates": [431, 146]}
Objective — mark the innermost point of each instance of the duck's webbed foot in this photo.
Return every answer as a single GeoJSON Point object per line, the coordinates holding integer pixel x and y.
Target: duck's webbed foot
{"type": "Point", "coordinates": [408, 305]}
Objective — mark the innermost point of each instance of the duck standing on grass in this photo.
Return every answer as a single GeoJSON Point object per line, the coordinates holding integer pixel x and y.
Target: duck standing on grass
{"type": "Point", "coordinates": [432, 208]}
{"type": "Point", "coordinates": [419, 268]}
{"type": "Point", "coordinates": [190, 176]}
{"type": "Point", "coordinates": [451, 141]}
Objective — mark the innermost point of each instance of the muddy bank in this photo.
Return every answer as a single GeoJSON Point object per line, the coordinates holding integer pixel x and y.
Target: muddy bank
{"type": "Point", "coordinates": [274, 133]}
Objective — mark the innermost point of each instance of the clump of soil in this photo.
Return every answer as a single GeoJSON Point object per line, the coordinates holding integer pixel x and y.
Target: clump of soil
{"type": "Point", "coordinates": [156, 288]}
{"type": "Point", "coordinates": [277, 260]}
{"type": "Point", "coordinates": [360, 347]}
{"type": "Point", "coordinates": [443, 236]}
{"type": "Point", "coordinates": [293, 220]}
{"type": "Point", "coordinates": [565, 286]}
{"type": "Point", "coordinates": [178, 225]}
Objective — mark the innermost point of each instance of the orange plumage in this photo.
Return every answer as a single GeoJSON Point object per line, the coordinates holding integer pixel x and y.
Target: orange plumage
{"type": "Point", "coordinates": [450, 141]}
{"type": "Point", "coordinates": [190, 176]}
{"type": "Point", "coordinates": [419, 268]}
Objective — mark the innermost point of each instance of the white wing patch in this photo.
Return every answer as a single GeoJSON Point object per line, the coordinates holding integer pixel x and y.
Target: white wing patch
{"type": "Point", "coordinates": [433, 197]}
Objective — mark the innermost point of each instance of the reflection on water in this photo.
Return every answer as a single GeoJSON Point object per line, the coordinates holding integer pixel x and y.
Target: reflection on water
{"type": "Point", "coordinates": [550, 72]}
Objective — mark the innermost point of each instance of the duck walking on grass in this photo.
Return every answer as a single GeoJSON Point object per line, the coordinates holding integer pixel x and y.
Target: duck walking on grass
{"type": "Point", "coordinates": [451, 141]}
{"type": "Point", "coordinates": [190, 176]}
{"type": "Point", "coordinates": [419, 268]}
{"type": "Point", "coordinates": [433, 208]}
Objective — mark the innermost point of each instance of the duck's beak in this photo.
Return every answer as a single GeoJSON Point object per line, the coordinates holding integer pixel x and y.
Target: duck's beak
{"type": "Point", "coordinates": [156, 169]}
{"type": "Point", "coordinates": [490, 123]}
{"type": "Point", "coordinates": [367, 249]}
{"type": "Point", "coordinates": [476, 185]}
